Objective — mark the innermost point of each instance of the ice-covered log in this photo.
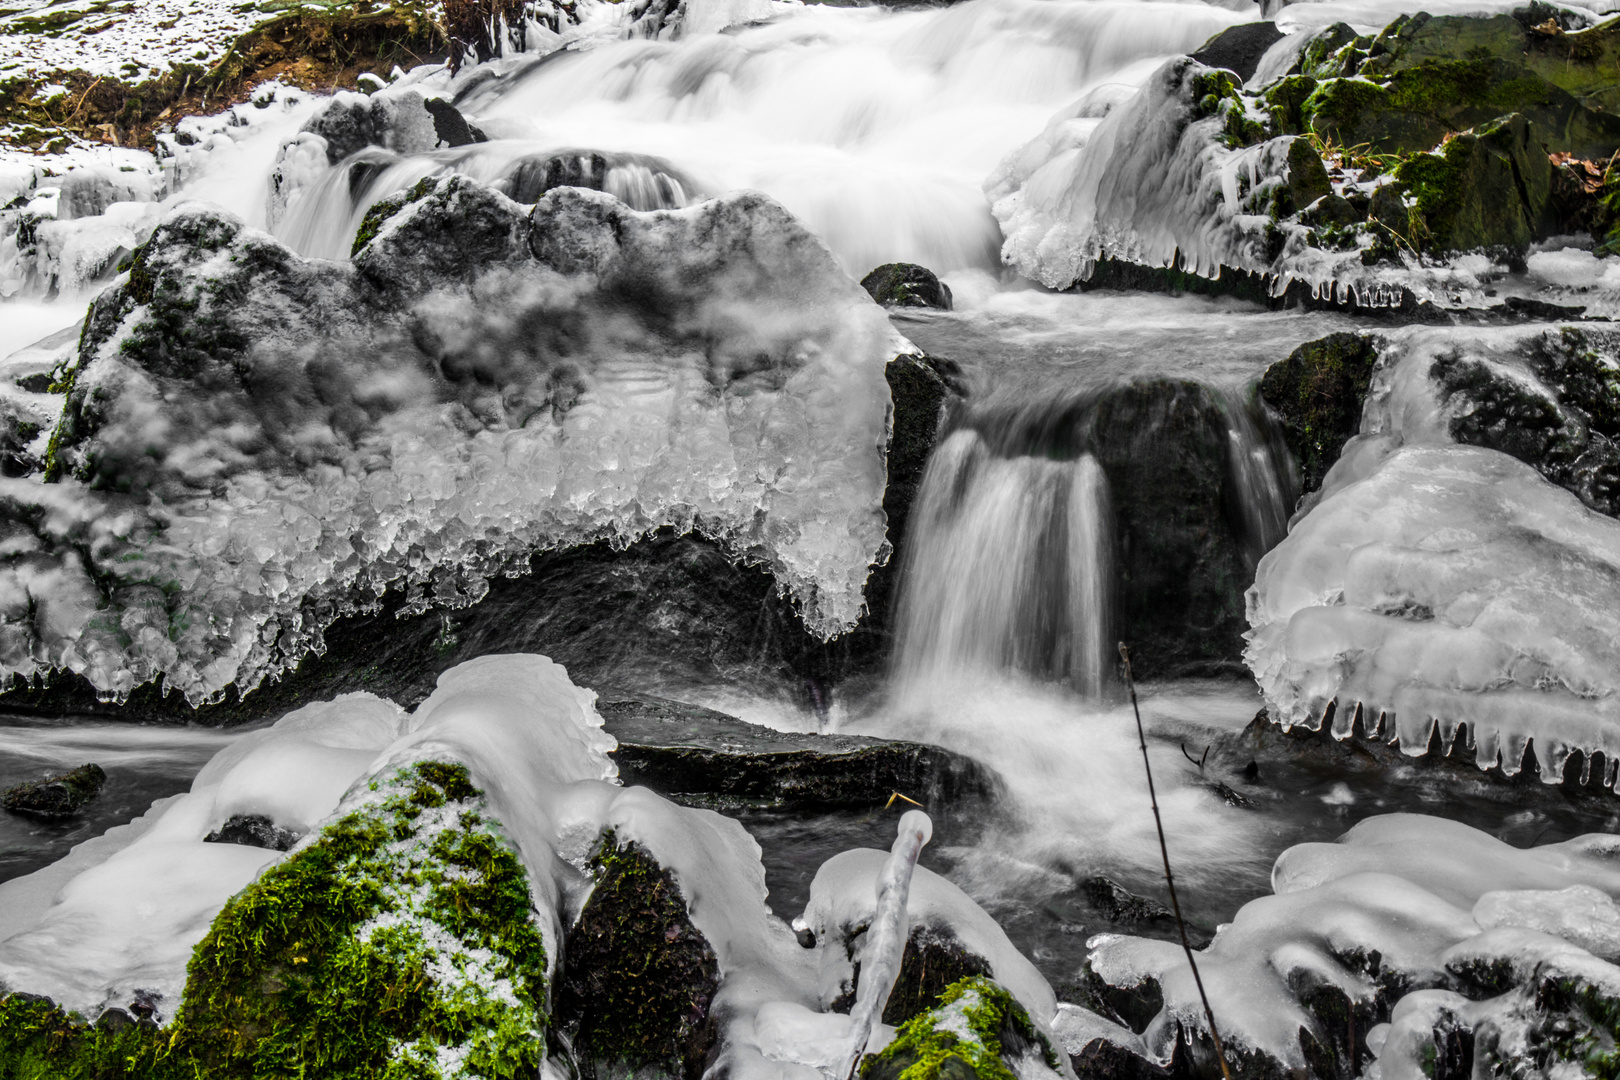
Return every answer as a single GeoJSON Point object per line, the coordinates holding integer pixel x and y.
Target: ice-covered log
{"type": "Point", "coordinates": [261, 442]}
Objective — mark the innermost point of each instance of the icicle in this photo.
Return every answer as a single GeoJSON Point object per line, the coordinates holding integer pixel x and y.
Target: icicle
{"type": "Point", "coordinates": [886, 939]}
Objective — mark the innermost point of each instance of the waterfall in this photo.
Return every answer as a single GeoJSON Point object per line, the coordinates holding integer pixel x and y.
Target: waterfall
{"type": "Point", "coordinates": [1009, 568]}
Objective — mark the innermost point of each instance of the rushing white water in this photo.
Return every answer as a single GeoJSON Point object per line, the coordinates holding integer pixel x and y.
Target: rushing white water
{"type": "Point", "coordinates": [1008, 569]}
{"type": "Point", "coordinates": [876, 128]}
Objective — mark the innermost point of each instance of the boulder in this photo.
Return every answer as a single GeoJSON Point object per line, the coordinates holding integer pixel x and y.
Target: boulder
{"type": "Point", "coordinates": [253, 830]}
{"type": "Point", "coordinates": [1318, 392]}
{"type": "Point", "coordinates": [1487, 188]}
{"type": "Point", "coordinates": [1238, 49]}
{"type": "Point", "coordinates": [55, 796]}
{"type": "Point", "coordinates": [907, 285]}
{"type": "Point", "coordinates": [638, 979]}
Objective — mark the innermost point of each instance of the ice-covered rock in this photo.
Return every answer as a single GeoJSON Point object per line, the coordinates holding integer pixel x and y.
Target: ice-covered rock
{"type": "Point", "coordinates": [481, 382]}
{"type": "Point", "coordinates": [1377, 950]}
{"type": "Point", "coordinates": [1202, 176]}
{"type": "Point", "coordinates": [1437, 585]}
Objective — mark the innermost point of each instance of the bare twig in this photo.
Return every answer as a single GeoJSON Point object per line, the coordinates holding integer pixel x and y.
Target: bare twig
{"type": "Point", "coordinates": [1198, 761]}
{"type": "Point", "coordinates": [1169, 879]}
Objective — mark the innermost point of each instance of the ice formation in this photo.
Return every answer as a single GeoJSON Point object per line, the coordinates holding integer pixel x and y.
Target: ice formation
{"type": "Point", "coordinates": [116, 920]}
{"type": "Point", "coordinates": [1437, 585]}
{"type": "Point", "coordinates": [708, 368]}
{"type": "Point", "coordinates": [887, 934]}
{"type": "Point", "coordinates": [1399, 919]}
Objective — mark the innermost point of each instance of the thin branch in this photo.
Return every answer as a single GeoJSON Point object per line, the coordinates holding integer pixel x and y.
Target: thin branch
{"type": "Point", "coordinates": [1169, 879]}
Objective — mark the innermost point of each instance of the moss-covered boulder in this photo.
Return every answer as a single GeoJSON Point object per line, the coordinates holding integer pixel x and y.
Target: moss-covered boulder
{"type": "Point", "coordinates": [1318, 393]}
{"type": "Point", "coordinates": [1565, 421]}
{"type": "Point", "coordinates": [400, 943]}
{"type": "Point", "coordinates": [638, 978]}
{"type": "Point", "coordinates": [1488, 188]}
{"type": "Point", "coordinates": [977, 1031]}
{"type": "Point", "coordinates": [907, 285]}
{"type": "Point", "coordinates": [55, 796]}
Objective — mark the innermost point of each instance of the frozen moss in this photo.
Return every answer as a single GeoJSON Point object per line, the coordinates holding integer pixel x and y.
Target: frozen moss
{"type": "Point", "coordinates": [978, 1030]}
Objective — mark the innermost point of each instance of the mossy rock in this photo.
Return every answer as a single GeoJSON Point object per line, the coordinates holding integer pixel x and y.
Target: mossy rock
{"type": "Point", "coordinates": [1307, 176]}
{"type": "Point", "coordinates": [932, 962]}
{"type": "Point", "coordinates": [907, 285]}
{"type": "Point", "coordinates": [400, 945]}
{"type": "Point", "coordinates": [977, 1031]}
{"type": "Point", "coordinates": [638, 978]}
{"type": "Point", "coordinates": [1491, 189]}
{"type": "Point", "coordinates": [403, 937]}
{"type": "Point", "coordinates": [55, 796]}
{"type": "Point", "coordinates": [1318, 392]}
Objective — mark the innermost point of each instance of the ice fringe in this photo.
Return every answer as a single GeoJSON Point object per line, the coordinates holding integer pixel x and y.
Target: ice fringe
{"type": "Point", "coordinates": [464, 402]}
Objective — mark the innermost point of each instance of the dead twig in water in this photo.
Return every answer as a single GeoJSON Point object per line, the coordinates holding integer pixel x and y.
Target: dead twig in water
{"type": "Point", "coordinates": [1169, 879]}
{"type": "Point", "coordinates": [1198, 761]}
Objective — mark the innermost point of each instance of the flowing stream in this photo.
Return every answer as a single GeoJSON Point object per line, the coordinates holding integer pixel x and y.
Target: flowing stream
{"type": "Point", "coordinates": [877, 128]}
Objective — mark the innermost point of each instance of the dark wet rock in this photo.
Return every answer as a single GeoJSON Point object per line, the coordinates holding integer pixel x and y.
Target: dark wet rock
{"type": "Point", "coordinates": [114, 1020]}
{"type": "Point", "coordinates": [933, 959]}
{"type": "Point", "coordinates": [1488, 188]}
{"type": "Point", "coordinates": [1318, 393]}
{"type": "Point", "coordinates": [1183, 558]}
{"type": "Point", "coordinates": [19, 432]}
{"type": "Point", "coordinates": [353, 121]}
{"type": "Point", "coordinates": [1239, 48]}
{"type": "Point", "coordinates": [907, 285]}
{"type": "Point", "coordinates": [643, 181]}
{"type": "Point", "coordinates": [1333, 212]}
{"type": "Point", "coordinates": [699, 756]}
{"type": "Point", "coordinates": [1307, 176]}
{"type": "Point", "coordinates": [1565, 422]}
{"type": "Point", "coordinates": [1388, 207]}
{"type": "Point", "coordinates": [533, 177]}
{"type": "Point", "coordinates": [451, 128]}
{"type": "Point", "coordinates": [1103, 1059]}
{"type": "Point", "coordinates": [1119, 904]}
{"type": "Point", "coordinates": [253, 830]}
{"type": "Point", "coordinates": [638, 978]}
{"type": "Point", "coordinates": [55, 796]}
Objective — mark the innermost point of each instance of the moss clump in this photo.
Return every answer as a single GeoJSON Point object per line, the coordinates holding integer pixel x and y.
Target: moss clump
{"type": "Point", "coordinates": [639, 977]}
{"type": "Point", "coordinates": [1217, 93]}
{"type": "Point", "coordinates": [38, 1041]}
{"type": "Point", "coordinates": [1318, 391]}
{"type": "Point", "coordinates": [978, 1030]}
{"type": "Point", "coordinates": [402, 943]}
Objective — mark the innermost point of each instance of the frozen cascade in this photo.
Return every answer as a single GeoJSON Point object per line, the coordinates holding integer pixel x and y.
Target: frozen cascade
{"type": "Point", "coordinates": [875, 128]}
{"type": "Point", "coordinates": [1009, 569]}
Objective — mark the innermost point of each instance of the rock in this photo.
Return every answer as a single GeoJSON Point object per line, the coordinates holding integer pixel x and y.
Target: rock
{"type": "Point", "coordinates": [450, 126]}
{"type": "Point", "coordinates": [638, 978]}
{"type": "Point", "coordinates": [977, 1031]}
{"type": "Point", "coordinates": [1238, 49]}
{"type": "Point", "coordinates": [1490, 188]}
{"type": "Point", "coordinates": [697, 756]}
{"type": "Point", "coordinates": [1388, 207]}
{"type": "Point", "coordinates": [396, 121]}
{"type": "Point", "coordinates": [533, 177]}
{"type": "Point", "coordinates": [1118, 904]}
{"type": "Point", "coordinates": [643, 181]}
{"type": "Point", "coordinates": [1333, 212]}
{"type": "Point", "coordinates": [55, 796]}
{"type": "Point", "coordinates": [1307, 176]}
{"type": "Point", "coordinates": [253, 830]}
{"type": "Point", "coordinates": [907, 285]}
{"type": "Point", "coordinates": [1565, 421]}
{"type": "Point", "coordinates": [933, 959]}
{"type": "Point", "coordinates": [1318, 393]}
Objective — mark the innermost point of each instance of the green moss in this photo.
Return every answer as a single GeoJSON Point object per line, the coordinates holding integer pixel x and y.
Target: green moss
{"type": "Point", "coordinates": [404, 933]}
{"type": "Point", "coordinates": [383, 209]}
{"type": "Point", "coordinates": [977, 1030]}
{"type": "Point", "coordinates": [639, 977]}
{"type": "Point", "coordinates": [1217, 92]}
{"type": "Point", "coordinates": [1318, 392]}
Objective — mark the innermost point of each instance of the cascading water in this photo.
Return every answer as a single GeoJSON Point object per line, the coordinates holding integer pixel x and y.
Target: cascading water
{"type": "Point", "coordinates": [875, 128]}
{"type": "Point", "coordinates": [1008, 570]}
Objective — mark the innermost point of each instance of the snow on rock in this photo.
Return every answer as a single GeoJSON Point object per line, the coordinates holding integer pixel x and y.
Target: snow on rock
{"type": "Point", "coordinates": [1438, 585]}
{"type": "Point", "coordinates": [261, 443]}
{"type": "Point", "coordinates": [843, 904]}
{"type": "Point", "coordinates": [1407, 929]}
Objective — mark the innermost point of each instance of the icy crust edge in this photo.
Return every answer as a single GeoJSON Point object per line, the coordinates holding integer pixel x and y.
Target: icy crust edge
{"type": "Point", "coordinates": [1341, 971]}
{"type": "Point", "coordinates": [1451, 594]}
{"type": "Point", "coordinates": [734, 386]}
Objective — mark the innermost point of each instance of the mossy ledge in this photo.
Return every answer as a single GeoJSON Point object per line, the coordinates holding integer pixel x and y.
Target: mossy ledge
{"type": "Point", "coordinates": [978, 1030]}
{"type": "Point", "coordinates": [400, 945]}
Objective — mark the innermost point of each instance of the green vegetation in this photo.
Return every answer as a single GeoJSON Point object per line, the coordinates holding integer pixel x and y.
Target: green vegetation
{"type": "Point", "coordinates": [977, 1031]}
{"type": "Point", "coordinates": [1318, 391]}
{"type": "Point", "coordinates": [400, 945]}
